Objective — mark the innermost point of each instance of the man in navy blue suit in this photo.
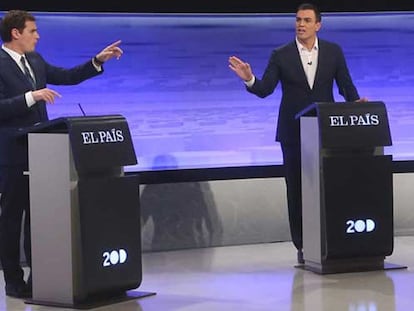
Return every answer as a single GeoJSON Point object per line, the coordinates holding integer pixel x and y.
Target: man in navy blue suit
{"type": "Point", "coordinates": [24, 93]}
{"type": "Point", "coordinates": [306, 68]}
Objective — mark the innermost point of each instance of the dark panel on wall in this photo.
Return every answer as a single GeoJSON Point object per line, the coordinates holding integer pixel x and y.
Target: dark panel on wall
{"type": "Point", "coordinates": [185, 6]}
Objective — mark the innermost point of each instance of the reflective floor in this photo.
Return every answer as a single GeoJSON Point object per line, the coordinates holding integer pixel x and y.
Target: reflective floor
{"type": "Point", "coordinates": [259, 277]}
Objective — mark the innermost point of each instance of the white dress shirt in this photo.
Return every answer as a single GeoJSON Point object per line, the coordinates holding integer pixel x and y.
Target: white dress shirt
{"type": "Point", "coordinates": [309, 60]}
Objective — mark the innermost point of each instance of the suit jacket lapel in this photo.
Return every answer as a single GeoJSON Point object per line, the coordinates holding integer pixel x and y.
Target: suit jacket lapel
{"type": "Point", "coordinates": [322, 56]}
{"type": "Point", "coordinates": [298, 64]}
{"type": "Point", "coordinates": [9, 65]}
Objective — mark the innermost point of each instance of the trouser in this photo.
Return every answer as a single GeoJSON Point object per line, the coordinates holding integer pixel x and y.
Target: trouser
{"type": "Point", "coordinates": [14, 203]}
{"type": "Point", "coordinates": [292, 167]}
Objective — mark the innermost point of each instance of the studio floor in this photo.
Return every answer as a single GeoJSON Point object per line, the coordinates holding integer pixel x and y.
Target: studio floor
{"type": "Point", "coordinates": [258, 277]}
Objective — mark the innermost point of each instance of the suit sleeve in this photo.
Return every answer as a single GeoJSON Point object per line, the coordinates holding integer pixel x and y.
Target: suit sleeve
{"type": "Point", "coordinates": [343, 79]}
{"type": "Point", "coordinates": [266, 85]}
{"type": "Point", "coordinates": [11, 107]}
{"type": "Point", "coordinates": [49, 74]}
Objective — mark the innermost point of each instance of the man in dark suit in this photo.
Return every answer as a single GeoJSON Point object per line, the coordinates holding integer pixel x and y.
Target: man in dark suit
{"type": "Point", "coordinates": [306, 68]}
{"type": "Point", "coordinates": [24, 76]}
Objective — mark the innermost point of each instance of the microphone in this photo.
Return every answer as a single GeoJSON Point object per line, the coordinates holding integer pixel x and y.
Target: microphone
{"type": "Point", "coordinates": [81, 109]}
{"type": "Point", "coordinates": [310, 63]}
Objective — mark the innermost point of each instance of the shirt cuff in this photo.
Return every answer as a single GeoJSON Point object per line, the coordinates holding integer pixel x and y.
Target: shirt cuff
{"type": "Point", "coordinates": [250, 82]}
{"type": "Point", "coordinates": [97, 64]}
{"type": "Point", "coordinates": [29, 99]}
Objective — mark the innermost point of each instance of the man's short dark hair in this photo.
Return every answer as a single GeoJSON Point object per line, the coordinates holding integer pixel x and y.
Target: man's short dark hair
{"type": "Point", "coordinates": [14, 19]}
{"type": "Point", "coordinates": [314, 8]}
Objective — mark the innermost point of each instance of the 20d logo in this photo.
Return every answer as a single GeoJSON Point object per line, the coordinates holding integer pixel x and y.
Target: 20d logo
{"type": "Point", "coordinates": [360, 226]}
{"type": "Point", "coordinates": [114, 257]}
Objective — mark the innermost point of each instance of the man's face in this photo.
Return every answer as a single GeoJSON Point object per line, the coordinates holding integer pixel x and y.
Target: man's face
{"type": "Point", "coordinates": [306, 25]}
{"type": "Point", "coordinates": [27, 40]}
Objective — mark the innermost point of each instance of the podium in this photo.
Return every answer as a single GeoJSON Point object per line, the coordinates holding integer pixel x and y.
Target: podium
{"type": "Point", "coordinates": [347, 187]}
{"type": "Point", "coordinates": [85, 213]}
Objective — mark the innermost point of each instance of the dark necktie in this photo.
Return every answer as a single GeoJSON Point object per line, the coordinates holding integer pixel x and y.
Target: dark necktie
{"type": "Point", "coordinates": [27, 72]}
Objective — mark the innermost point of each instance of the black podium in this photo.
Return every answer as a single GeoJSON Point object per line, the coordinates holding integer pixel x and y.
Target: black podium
{"type": "Point", "coordinates": [85, 216]}
{"type": "Point", "coordinates": [347, 187]}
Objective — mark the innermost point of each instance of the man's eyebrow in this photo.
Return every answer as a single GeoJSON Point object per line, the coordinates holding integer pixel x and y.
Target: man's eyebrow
{"type": "Point", "coordinates": [304, 18]}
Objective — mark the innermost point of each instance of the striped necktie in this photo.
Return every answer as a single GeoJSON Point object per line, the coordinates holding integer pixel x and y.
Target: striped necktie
{"type": "Point", "coordinates": [27, 72]}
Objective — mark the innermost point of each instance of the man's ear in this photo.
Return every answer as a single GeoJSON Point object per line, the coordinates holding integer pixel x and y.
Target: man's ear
{"type": "Point", "coordinates": [15, 34]}
{"type": "Point", "coordinates": [318, 26]}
